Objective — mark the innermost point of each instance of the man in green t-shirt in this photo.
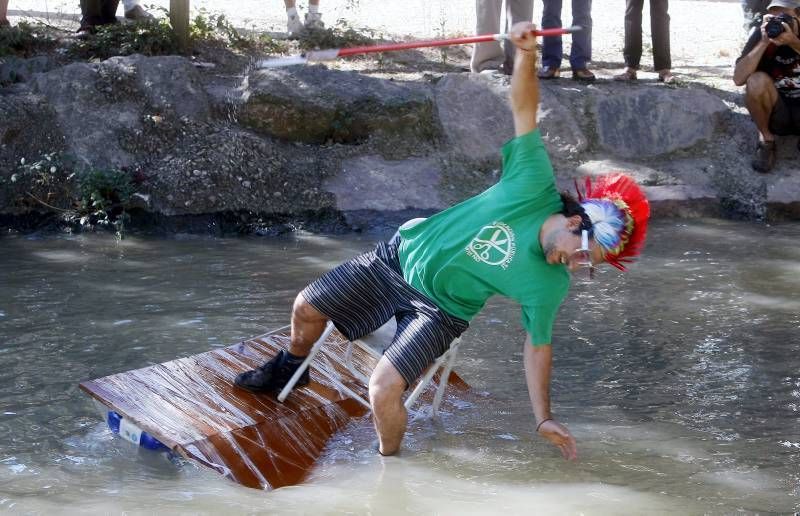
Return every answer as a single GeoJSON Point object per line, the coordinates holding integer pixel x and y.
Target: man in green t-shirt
{"type": "Point", "coordinates": [519, 239]}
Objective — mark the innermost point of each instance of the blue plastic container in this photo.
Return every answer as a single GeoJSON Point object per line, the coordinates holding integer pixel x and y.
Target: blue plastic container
{"type": "Point", "coordinates": [133, 433]}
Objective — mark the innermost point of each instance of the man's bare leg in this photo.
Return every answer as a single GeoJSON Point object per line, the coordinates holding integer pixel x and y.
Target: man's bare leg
{"type": "Point", "coordinates": [760, 98]}
{"type": "Point", "coordinates": [308, 323]}
{"type": "Point", "coordinates": [307, 327]}
{"type": "Point", "coordinates": [386, 388]}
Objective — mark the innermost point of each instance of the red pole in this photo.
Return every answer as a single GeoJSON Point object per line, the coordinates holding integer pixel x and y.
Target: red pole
{"type": "Point", "coordinates": [446, 42]}
{"type": "Point", "coordinates": [331, 54]}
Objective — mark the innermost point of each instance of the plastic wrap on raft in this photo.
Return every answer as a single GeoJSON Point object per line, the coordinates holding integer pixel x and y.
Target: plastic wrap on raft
{"type": "Point", "coordinates": [191, 406]}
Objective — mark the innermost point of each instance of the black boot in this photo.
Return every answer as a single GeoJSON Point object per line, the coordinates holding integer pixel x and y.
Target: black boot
{"type": "Point", "coordinates": [273, 375]}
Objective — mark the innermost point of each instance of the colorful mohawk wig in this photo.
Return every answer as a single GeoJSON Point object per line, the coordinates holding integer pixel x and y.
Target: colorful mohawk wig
{"type": "Point", "coordinates": [619, 212]}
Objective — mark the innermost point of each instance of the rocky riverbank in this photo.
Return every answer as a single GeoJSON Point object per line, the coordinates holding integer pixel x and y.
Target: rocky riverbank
{"type": "Point", "coordinates": [216, 145]}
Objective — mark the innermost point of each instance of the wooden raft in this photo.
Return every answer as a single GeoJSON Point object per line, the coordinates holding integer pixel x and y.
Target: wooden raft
{"type": "Point", "coordinates": [191, 406]}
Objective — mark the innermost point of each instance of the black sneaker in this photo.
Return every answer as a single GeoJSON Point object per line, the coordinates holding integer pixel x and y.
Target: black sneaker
{"type": "Point", "coordinates": [272, 376]}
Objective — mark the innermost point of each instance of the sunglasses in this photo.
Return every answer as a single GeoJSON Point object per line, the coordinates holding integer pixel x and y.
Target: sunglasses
{"type": "Point", "coordinates": [582, 259]}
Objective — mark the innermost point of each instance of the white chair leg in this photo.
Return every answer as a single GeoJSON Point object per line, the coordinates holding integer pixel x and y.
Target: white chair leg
{"type": "Point", "coordinates": [276, 330]}
{"type": "Point", "coordinates": [334, 379]}
{"type": "Point", "coordinates": [445, 362]}
{"type": "Point", "coordinates": [314, 350]}
{"type": "Point", "coordinates": [437, 398]}
{"type": "Point", "coordinates": [348, 360]}
{"type": "Point", "coordinates": [426, 379]}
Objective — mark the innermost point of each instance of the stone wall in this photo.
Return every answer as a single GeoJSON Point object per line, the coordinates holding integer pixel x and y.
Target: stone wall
{"type": "Point", "coordinates": [304, 141]}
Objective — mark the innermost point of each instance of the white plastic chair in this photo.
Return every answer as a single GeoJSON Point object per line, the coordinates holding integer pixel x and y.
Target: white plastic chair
{"type": "Point", "coordinates": [381, 337]}
{"type": "Point", "coordinates": [445, 362]}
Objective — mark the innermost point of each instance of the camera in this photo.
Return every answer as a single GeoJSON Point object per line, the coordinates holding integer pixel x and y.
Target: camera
{"type": "Point", "coordinates": [775, 27]}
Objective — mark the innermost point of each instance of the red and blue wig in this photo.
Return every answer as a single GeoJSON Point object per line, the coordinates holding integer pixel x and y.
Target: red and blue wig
{"type": "Point", "coordinates": [619, 212]}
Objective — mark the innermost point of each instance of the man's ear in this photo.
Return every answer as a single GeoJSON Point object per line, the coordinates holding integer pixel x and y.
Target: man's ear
{"type": "Point", "coordinates": [574, 222]}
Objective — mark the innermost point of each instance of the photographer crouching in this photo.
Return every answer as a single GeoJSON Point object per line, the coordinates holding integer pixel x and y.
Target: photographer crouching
{"type": "Point", "coordinates": [770, 68]}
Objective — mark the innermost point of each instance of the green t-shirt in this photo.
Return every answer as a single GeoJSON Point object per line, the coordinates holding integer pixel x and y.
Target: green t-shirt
{"type": "Point", "coordinates": [489, 244]}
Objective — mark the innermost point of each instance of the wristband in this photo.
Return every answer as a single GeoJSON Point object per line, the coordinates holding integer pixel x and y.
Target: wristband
{"type": "Point", "coordinates": [543, 422]}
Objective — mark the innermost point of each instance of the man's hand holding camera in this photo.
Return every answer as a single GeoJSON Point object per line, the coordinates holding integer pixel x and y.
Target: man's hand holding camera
{"type": "Point", "coordinates": [781, 30]}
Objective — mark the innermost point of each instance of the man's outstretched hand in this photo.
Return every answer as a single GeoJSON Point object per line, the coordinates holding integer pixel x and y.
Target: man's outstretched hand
{"type": "Point", "coordinates": [558, 434]}
{"type": "Point", "coordinates": [522, 36]}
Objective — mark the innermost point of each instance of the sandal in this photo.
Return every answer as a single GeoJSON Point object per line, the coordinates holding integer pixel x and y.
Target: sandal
{"type": "Point", "coordinates": [628, 75]}
{"type": "Point", "coordinates": [666, 76]}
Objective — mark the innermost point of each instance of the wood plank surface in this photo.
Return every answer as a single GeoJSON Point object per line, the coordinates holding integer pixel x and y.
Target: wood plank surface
{"type": "Point", "coordinates": [191, 405]}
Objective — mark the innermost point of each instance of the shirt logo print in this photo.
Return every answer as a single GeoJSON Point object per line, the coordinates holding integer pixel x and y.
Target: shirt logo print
{"type": "Point", "coordinates": [493, 245]}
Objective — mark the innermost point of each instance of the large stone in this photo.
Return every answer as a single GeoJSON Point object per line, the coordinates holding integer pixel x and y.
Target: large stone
{"type": "Point", "coordinates": [98, 105]}
{"type": "Point", "coordinates": [682, 201]}
{"type": "Point", "coordinates": [27, 130]}
{"type": "Point", "coordinates": [373, 183]}
{"type": "Point", "coordinates": [643, 175]}
{"type": "Point", "coordinates": [152, 116]}
{"type": "Point", "coordinates": [92, 107]}
{"type": "Point", "coordinates": [783, 197]}
{"type": "Point", "coordinates": [647, 122]}
{"type": "Point", "coordinates": [474, 113]}
{"type": "Point", "coordinates": [556, 119]}
{"type": "Point", "coordinates": [16, 69]}
{"type": "Point", "coordinates": [225, 170]}
{"type": "Point", "coordinates": [476, 117]}
{"type": "Point", "coordinates": [316, 105]}
{"type": "Point", "coordinates": [169, 83]}
{"type": "Point", "coordinates": [671, 190]}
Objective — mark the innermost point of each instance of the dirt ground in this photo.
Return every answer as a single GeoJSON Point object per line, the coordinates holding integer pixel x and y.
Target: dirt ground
{"type": "Point", "coordinates": [706, 35]}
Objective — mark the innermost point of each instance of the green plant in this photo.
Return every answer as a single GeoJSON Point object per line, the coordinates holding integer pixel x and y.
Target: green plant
{"type": "Point", "coordinates": [25, 38]}
{"type": "Point", "coordinates": [45, 181]}
{"type": "Point", "coordinates": [104, 197]}
{"type": "Point", "coordinates": [215, 27]}
{"type": "Point", "coordinates": [156, 37]}
{"type": "Point", "coordinates": [442, 27]}
{"type": "Point", "coordinates": [43, 172]}
{"type": "Point", "coordinates": [146, 37]}
{"type": "Point", "coordinates": [341, 35]}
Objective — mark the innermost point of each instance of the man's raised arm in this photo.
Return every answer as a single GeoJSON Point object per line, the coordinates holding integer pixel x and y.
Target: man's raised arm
{"type": "Point", "coordinates": [524, 83]}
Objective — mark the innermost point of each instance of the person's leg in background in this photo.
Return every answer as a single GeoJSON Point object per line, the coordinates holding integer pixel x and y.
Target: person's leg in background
{"type": "Point", "coordinates": [4, 13]}
{"type": "Point", "coordinates": [313, 18]}
{"type": "Point", "coordinates": [489, 55]}
{"type": "Point", "coordinates": [761, 98]}
{"type": "Point", "coordinates": [632, 51]}
{"type": "Point", "coordinates": [108, 9]}
{"type": "Point", "coordinates": [516, 11]}
{"type": "Point", "coordinates": [659, 26]}
{"type": "Point", "coordinates": [552, 47]}
{"type": "Point", "coordinates": [581, 53]}
{"type": "Point", "coordinates": [91, 15]}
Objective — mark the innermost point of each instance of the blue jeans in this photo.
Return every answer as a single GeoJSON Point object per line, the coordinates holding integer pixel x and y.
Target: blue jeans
{"type": "Point", "coordinates": [552, 47]}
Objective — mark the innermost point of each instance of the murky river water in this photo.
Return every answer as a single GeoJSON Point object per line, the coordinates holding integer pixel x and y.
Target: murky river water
{"type": "Point", "coordinates": [680, 380]}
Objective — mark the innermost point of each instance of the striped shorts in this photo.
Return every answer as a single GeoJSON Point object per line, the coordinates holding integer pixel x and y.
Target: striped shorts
{"type": "Point", "coordinates": [360, 295]}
